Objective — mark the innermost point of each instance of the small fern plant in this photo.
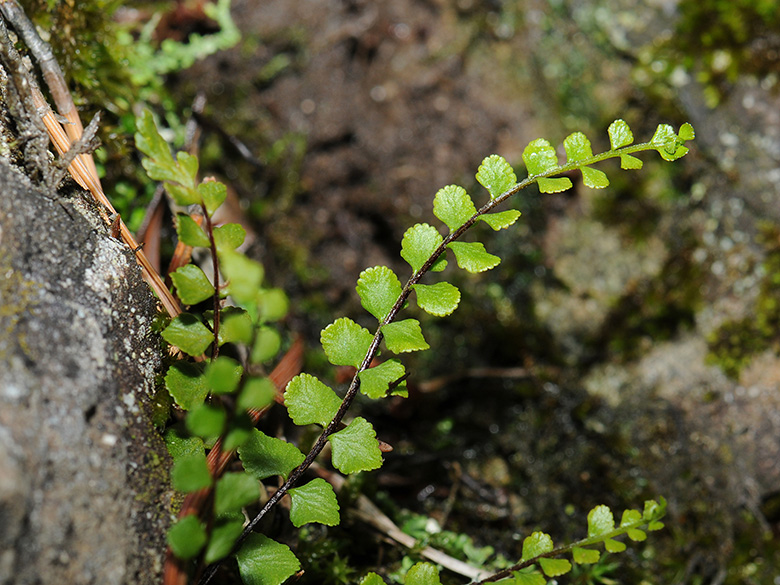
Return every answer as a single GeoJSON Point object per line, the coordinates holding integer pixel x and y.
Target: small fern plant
{"type": "Point", "coordinates": [223, 396]}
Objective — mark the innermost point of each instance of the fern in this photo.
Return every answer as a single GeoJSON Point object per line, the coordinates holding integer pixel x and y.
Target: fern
{"type": "Point", "coordinates": [345, 343]}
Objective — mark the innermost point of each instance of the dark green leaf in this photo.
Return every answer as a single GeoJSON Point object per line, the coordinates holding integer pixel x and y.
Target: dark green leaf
{"type": "Point", "coordinates": [238, 432]}
{"type": "Point", "coordinates": [375, 382]}
{"type": "Point", "coordinates": [234, 491]}
{"type": "Point", "coordinates": [345, 342]}
{"type": "Point", "coordinates": [438, 299]}
{"type": "Point", "coordinates": [190, 232]}
{"type": "Point", "coordinates": [419, 243]}
{"type": "Point", "coordinates": [223, 536]}
{"type": "Point", "coordinates": [187, 537]}
{"type": "Point", "coordinates": [212, 193]}
{"type": "Point", "coordinates": [228, 237]}
{"type": "Point", "coordinates": [473, 257]}
{"type": "Point", "coordinates": [257, 393]}
{"type": "Point", "coordinates": [191, 284]}
{"type": "Point", "coordinates": [453, 206]}
{"type": "Point", "coordinates": [265, 456]}
{"type": "Point", "coordinates": [314, 502]}
{"type": "Point", "coordinates": [266, 346]}
{"type": "Point", "coordinates": [309, 401]}
{"type": "Point", "coordinates": [262, 561]}
{"type": "Point", "coordinates": [404, 336]}
{"type": "Point", "coordinates": [378, 288]}
{"type": "Point", "coordinates": [619, 134]}
{"type": "Point", "coordinates": [191, 473]}
{"type": "Point", "coordinates": [355, 448]}
{"type": "Point", "coordinates": [496, 175]}
{"type": "Point", "coordinates": [206, 421]}
{"type": "Point", "coordinates": [186, 383]}
{"type": "Point", "coordinates": [500, 220]}
{"type": "Point", "coordinates": [223, 375]}
{"type": "Point", "coordinates": [181, 444]}
{"type": "Point", "coordinates": [188, 334]}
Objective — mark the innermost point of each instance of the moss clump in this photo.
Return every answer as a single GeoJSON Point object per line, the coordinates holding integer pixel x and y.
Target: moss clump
{"type": "Point", "coordinates": [734, 343]}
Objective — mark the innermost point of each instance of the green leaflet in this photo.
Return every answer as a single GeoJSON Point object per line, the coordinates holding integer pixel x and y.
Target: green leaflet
{"type": "Point", "coordinates": [619, 134]}
{"type": "Point", "coordinates": [244, 275]}
{"type": "Point", "coordinates": [496, 175]}
{"type": "Point", "coordinates": [404, 336]}
{"type": "Point", "coordinates": [262, 561]}
{"type": "Point", "coordinates": [668, 144]}
{"type": "Point", "coordinates": [629, 162]}
{"type": "Point", "coordinates": [160, 165]}
{"type": "Point", "coordinates": [578, 148]}
{"type": "Point", "coordinates": [372, 579]}
{"type": "Point", "coordinates": [223, 375]}
{"type": "Point", "coordinates": [473, 257]}
{"type": "Point", "coordinates": [187, 537]}
{"type": "Point", "coordinates": [375, 382]}
{"type": "Point", "coordinates": [186, 384]}
{"type": "Point", "coordinates": [272, 304]}
{"type": "Point", "coordinates": [235, 490]}
{"type": "Point", "coordinates": [419, 243]}
{"type": "Point", "coordinates": [438, 299]}
{"type": "Point", "coordinates": [190, 232]}
{"type": "Point", "coordinates": [238, 431]}
{"type": "Point", "coordinates": [224, 534]}
{"type": "Point", "coordinates": [265, 456]}
{"type": "Point", "coordinates": [600, 521]}
{"type": "Point", "coordinates": [355, 448]}
{"type": "Point", "coordinates": [228, 237]}
{"type": "Point", "coordinates": [536, 544]}
{"type": "Point", "coordinates": [453, 206]}
{"type": "Point", "coordinates": [188, 334]}
{"type": "Point", "coordinates": [266, 346]}
{"type": "Point", "coordinates": [500, 220]}
{"type": "Point", "coordinates": [345, 342]}
{"type": "Point", "coordinates": [539, 157]}
{"type": "Point", "coordinates": [528, 577]}
{"type": "Point", "coordinates": [378, 288]}
{"type": "Point", "coordinates": [206, 421]}
{"type": "Point", "coordinates": [212, 193]}
{"type": "Point", "coordinates": [309, 401]}
{"type": "Point", "coordinates": [235, 326]}
{"type": "Point", "coordinates": [614, 546]}
{"type": "Point", "coordinates": [190, 473]}
{"type": "Point", "coordinates": [585, 556]}
{"type": "Point", "coordinates": [257, 393]}
{"type": "Point", "coordinates": [181, 444]}
{"type": "Point", "coordinates": [554, 567]}
{"type": "Point", "coordinates": [422, 574]}
{"type": "Point", "coordinates": [191, 284]}
{"type": "Point", "coordinates": [314, 502]}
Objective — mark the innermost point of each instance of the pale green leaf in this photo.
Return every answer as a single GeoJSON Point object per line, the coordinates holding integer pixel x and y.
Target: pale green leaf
{"type": "Point", "coordinates": [500, 220]}
{"type": "Point", "coordinates": [309, 401]}
{"type": "Point", "coordinates": [536, 544]}
{"type": "Point", "coordinates": [228, 237]}
{"type": "Point", "coordinates": [419, 243]}
{"type": "Point", "coordinates": [262, 561]}
{"type": "Point", "coordinates": [378, 288]}
{"type": "Point", "coordinates": [614, 546]}
{"type": "Point", "coordinates": [235, 490]}
{"type": "Point", "coordinates": [190, 232]}
{"type": "Point", "coordinates": [190, 473]}
{"type": "Point", "coordinates": [375, 382]}
{"type": "Point", "coordinates": [528, 577]}
{"type": "Point", "coordinates": [653, 510]}
{"type": "Point", "coordinates": [422, 574]}
{"type": "Point", "coordinates": [600, 521]}
{"type": "Point", "coordinates": [619, 134]}
{"type": "Point", "coordinates": [314, 502]}
{"type": "Point", "coordinates": [192, 285]}
{"type": "Point", "coordinates": [267, 344]}
{"type": "Point", "coordinates": [372, 579]}
{"type": "Point", "coordinates": [185, 382]}
{"type": "Point", "coordinates": [631, 517]}
{"type": "Point", "coordinates": [554, 185]}
{"type": "Point", "coordinates": [181, 194]}
{"type": "Point", "coordinates": [637, 535]}
{"type": "Point", "coordinates": [272, 304]}
{"type": "Point", "coordinates": [555, 567]}
{"type": "Point", "coordinates": [453, 206]}
{"type": "Point", "coordinates": [345, 342]}
{"type": "Point", "coordinates": [404, 336]}
{"type": "Point", "coordinates": [594, 178]}
{"type": "Point", "coordinates": [687, 132]}
{"type": "Point", "coordinates": [206, 421]}
{"type": "Point", "coordinates": [265, 456]}
{"type": "Point", "coordinates": [244, 276]}
{"type": "Point", "coordinates": [257, 393]}
{"type": "Point", "coordinates": [539, 157]}
{"type": "Point", "coordinates": [187, 537]}
{"type": "Point", "coordinates": [667, 143]}
{"type": "Point", "coordinates": [473, 257]}
{"type": "Point", "coordinates": [188, 334]}
{"type": "Point", "coordinates": [355, 448]}
{"type": "Point", "coordinates": [212, 194]}
{"type": "Point", "coordinates": [629, 162]}
{"type": "Point", "coordinates": [577, 147]}
{"type": "Point", "coordinates": [585, 556]}
{"type": "Point", "coordinates": [496, 175]}
{"type": "Point", "coordinates": [438, 299]}
{"type": "Point", "coordinates": [223, 375]}
{"type": "Point", "coordinates": [189, 167]}
{"type": "Point", "coordinates": [224, 535]}
{"type": "Point", "coordinates": [235, 326]}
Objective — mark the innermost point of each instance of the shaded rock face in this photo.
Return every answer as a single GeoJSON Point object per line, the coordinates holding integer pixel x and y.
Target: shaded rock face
{"type": "Point", "coordinates": [82, 480]}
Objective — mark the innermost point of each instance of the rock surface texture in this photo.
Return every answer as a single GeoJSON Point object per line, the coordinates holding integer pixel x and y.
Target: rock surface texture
{"type": "Point", "coordinates": [83, 487]}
